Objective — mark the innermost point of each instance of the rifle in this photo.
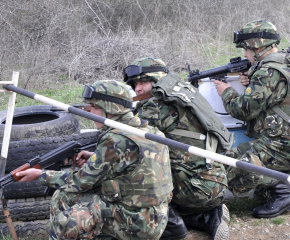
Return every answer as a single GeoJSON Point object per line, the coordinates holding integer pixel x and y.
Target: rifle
{"type": "Point", "coordinates": [235, 65]}
{"type": "Point", "coordinates": [46, 160]}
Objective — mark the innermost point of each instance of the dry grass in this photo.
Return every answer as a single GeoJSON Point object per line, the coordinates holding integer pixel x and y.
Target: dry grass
{"type": "Point", "coordinates": [58, 41]}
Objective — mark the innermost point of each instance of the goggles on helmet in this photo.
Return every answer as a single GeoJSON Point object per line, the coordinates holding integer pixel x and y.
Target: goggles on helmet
{"type": "Point", "coordinates": [135, 70]}
{"type": "Point", "coordinates": [238, 36]}
{"type": "Point", "coordinates": [89, 93]}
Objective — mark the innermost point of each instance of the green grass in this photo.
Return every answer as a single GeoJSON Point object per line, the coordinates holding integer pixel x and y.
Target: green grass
{"type": "Point", "coordinates": [68, 93]}
{"type": "Point", "coordinates": [278, 221]}
{"type": "Point", "coordinates": [241, 206]}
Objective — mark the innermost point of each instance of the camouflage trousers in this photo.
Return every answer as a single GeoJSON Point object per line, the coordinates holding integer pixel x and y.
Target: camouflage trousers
{"type": "Point", "coordinates": [242, 182]}
{"type": "Point", "coordinates": [85, 216]}
{"type": "Point", "coordinates": [193, 195]}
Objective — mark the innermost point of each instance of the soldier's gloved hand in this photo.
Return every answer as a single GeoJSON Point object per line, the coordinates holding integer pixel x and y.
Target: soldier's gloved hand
{"type": "Point", "coordinates": [82, 158]}
{"type": "Point", "coordinates": [29, 175]}
{"type": "Point", "coordinates": [244, 80]}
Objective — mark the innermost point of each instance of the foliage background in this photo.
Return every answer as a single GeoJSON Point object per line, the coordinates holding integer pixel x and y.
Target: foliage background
{"type": "Point", "coordinates": [61, 43]}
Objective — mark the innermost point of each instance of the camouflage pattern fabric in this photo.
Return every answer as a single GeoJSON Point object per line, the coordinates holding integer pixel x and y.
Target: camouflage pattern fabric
{"type": "Point", "coordinates": [195, 187]}
{"type": "Point", "coordinates": [114, 89]}
{"type": "Point", "coordinates": [268, 87]}
{"type": "Point", "coordinates": [149, 76]}
{"type": "Point", "coordinates": [255, 27]}
{"type": "Point", "coordinates": [89, 201]}
{"type": "Point", "coordinates": [85, 216]}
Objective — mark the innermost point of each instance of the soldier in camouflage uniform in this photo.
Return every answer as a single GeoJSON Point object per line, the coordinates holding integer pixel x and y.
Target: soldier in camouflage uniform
{"type": "Point", "coordinates": [198, 191]}
{"type": "Point", "coordinates": [122, 189]}
{"type": "Point", "coordinates": [265, 107]}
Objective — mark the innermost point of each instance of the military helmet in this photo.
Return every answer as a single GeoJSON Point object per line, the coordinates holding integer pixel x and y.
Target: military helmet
{"type": "Point", "coordinates": [112, 96]}
{"type": "Point", "coordinates": [145, 69]}
{"type": "Point", "coordinates": [256, 34]}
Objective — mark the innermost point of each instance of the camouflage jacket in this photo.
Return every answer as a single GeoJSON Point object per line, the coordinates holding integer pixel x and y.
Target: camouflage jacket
{"type": "Point", "coordinates": [168, 117]}
{"type": "Point", "coordinates": [268, 87]}
{"type": "Point", "coordinates": [126, 169]}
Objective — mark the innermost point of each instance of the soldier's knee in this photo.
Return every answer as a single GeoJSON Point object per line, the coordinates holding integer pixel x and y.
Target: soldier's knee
{"type": "Point", "coordinates": [77, 222]}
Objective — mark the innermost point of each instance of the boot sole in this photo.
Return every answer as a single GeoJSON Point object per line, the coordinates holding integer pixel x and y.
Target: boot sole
{"type": "Point", "coordinates": [222, 232]}
{"type": "Point", "coordinates": [286, 209]}
{"type": "Point", "coordinates": [225, 213]}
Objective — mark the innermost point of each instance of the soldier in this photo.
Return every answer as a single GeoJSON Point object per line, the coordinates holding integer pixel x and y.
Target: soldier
{"type": "Point", "coordinates": [198, 190]}
{"type": "Point", "coordinates": [122, 189]}
{"type": "Point", "coordinates": [264, 106]}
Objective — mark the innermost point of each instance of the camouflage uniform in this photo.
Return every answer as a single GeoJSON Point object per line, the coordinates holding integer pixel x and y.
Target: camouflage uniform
{"type": "Point", "coordinates": [124, 188]}
{"type": "Point", "coordinates": [199, 186]}
{"type": "Point", "coordinates": [268, 88]}
{"type": "Point", "coordinates": [196, 188]}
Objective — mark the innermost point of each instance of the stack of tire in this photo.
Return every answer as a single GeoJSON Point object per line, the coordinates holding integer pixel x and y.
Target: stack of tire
{"type": "Point", "coordinates": [36, 130]}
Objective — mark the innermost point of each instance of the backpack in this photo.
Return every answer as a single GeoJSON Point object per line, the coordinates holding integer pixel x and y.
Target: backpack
{"type": "Point", "coordinates": [172, 89]}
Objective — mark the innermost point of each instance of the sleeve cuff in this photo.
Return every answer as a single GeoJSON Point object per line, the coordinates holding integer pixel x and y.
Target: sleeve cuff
{"type": "Point", "coordinates": [42, 178]}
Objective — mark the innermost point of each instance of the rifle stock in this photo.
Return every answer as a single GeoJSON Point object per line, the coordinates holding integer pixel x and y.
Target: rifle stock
{"type": "Point", "coordinates": [47, 160]}
{"type": "Point", "coordinates": [235, 65]}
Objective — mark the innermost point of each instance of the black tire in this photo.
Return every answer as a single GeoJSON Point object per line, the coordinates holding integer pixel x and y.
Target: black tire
{"type": "Point", "coordinates": [27, 209]}
{"type": "Point", "coordinates": [33, 229]}
{"type": "Point", "coordinates": [22, 151]}
{"type": "Point", "coordinates": [26, 190]}
{"type": "Point", "coordinates": [39, 121]}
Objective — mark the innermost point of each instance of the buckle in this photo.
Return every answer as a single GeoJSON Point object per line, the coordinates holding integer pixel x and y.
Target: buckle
{"type": "Point", "coordinates": [236, 36]}
{"type": "Point", "coordinates": [88, 91]}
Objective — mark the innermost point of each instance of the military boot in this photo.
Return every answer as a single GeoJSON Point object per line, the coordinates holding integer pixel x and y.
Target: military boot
{"type": "Point", "coordinates": [278, 202]}
{"type": "Point", "coordinates": [175, 228]}
{"type": "Point", "coordinates": [214, 222]}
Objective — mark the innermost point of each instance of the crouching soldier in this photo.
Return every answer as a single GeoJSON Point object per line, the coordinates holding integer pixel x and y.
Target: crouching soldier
{"type": "Point", "coordinates": [122, 189]}
{"type": "Point", "coordinates": [199, 184]}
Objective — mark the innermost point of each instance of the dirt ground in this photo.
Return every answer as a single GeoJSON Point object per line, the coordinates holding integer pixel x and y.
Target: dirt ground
{"type": "Point", "coordinates": [245, 226]}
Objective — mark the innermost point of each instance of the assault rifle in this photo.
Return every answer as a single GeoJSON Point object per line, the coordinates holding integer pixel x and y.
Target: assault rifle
{"type": "Point", "coordinates": [46, 160]}
{"type": "Point", "coordinates": [235, 65]}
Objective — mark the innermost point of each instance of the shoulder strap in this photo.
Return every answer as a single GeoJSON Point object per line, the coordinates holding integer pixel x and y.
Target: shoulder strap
{"type": "Point", "coordinates": [281, 113]}
{"type": "Point", "coordinates": [172, 89]}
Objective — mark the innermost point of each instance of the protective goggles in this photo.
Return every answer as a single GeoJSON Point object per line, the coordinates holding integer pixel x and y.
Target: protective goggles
{"type": "Point", "coordinates": [135, 70]}
{"type": "Point", "coordinates": [238, 36]}
{"type": "Point", "coordinates": [90, 92]}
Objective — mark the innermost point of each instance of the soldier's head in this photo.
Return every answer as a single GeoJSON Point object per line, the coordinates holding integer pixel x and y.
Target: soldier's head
{"type": "Point", "coordinates": [144, 73]}
{"type": "Point", "coordinates": [108, 98]}
{"type": "Point", "coordinates": [258, 36]}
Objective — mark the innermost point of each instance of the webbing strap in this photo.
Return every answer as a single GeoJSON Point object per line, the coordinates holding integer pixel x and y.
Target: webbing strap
{"type": "Point", "coordinates": [281, 113]}
{"type": "Point", "coordinates": [189, 134]}
{"type": "Point", "coordinates": [211, 145]}
{"type": "Point", "coordinates": [145, 189]}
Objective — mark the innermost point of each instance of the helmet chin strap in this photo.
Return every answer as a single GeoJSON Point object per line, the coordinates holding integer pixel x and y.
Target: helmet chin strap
{"type": "Point", "coordinates": [258, 55]}
{"type": "Point", "coordinates": [104, 113]}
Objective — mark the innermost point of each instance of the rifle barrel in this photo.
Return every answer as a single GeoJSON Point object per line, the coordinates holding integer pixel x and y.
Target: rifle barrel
{"type": "Point", "coordinates": [238, 66]}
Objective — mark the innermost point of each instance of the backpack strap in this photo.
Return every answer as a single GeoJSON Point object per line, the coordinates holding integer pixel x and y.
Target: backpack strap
{"type": "Point", "coordinates": [281, 113]}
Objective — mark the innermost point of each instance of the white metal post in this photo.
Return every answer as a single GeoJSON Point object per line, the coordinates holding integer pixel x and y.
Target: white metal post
{"type": "Point", "coordinates": [5, 147]}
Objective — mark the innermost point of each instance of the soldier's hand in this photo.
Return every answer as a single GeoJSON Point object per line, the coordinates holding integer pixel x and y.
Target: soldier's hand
{"type": "Point", "coordinates": [244, 80]}
{"type": "Point", "coordinates": [220, 86]}
{"type": "Point", "coordinates": [29, 175]}
{"type": "Point", "coordinates": [82, 158]}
